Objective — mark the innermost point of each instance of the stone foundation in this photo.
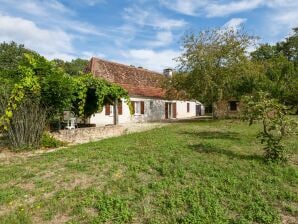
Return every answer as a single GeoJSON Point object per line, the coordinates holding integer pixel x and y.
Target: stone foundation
{"type": "Point", "coordinates": [83, 135]}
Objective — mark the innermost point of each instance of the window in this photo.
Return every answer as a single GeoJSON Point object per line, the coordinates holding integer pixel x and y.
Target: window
{"type": "Point", "coordinates": [233, 105]}
{"type": "Point", "coordinates": [109, 109]}
{"type": "Point", "coordinates": [151, 105]}
{"type": "Point", "coordinates": [138, 107]}
{"type": "Point", "coordinates": [188, 107]}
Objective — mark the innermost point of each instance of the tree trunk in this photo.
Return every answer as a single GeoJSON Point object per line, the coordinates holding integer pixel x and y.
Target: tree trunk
{"type": "Point", "coordinates": [115, 110]}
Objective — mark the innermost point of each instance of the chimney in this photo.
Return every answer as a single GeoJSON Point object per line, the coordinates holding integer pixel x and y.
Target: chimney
{"type": "Point", "coordinates": [168, 72]}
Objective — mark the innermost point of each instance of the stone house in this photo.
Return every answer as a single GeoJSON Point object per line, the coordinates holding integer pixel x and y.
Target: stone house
{"type": "Point", "coordinates": [227, 108]}
{"type": "Point", "coordinates": [148, 98]}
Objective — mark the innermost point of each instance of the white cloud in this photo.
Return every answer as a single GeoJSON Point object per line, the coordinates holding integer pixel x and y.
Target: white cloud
{"type": "Point", "coordinates": [219, 8]}
{"type": "Point", "coordinates": [234, 23]}
{"type": "Point", "coordinates": [89, 54]}
{"type": "Point", "coordinates": [282, 18]}
{"type": "Point", "coordinates": [150, 59]}
{"type": "Point", "coordinates": [93, 2]}
{"type": "Point", "coordinates": [212, 8]}
{"type": "Point", "coordinates": [151, 18]}
{"type": "Point", "coordinates": [51, 13]}
{"type": "Point", "coordinates": [187, 7]}
{"type": "Point", "coordinates": [163, 38]}
{"type": "Point", "coordinates": [52, 43]}
{"type": "Point", "coordinates": [216, 9]}
{"type": "Point", "coordinates": [38, 8]}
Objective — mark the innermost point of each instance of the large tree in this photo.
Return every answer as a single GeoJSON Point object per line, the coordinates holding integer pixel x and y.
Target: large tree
{"type": "Point", "coordinates": [214, 61]}
{"type": "Point", "coordinates": [74, 67]}
{"type": "Point", "coordinates": [11, 55]}
{"type": "Point", "coordinates": [279, 69]}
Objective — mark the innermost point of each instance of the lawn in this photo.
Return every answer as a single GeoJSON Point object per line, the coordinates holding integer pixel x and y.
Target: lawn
{"type": "Point", "coordinates": [193, 172]}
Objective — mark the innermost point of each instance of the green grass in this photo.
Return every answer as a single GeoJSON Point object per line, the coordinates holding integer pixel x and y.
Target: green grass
{"type": "Point", "coordinates": [194, 172]}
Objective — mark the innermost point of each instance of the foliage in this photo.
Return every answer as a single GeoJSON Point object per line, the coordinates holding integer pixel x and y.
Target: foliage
{"type": "Point", "coordinates": [33, 79]}
{"type": "Point", "coordinates": [40, 81]}
{"type": "Point", "coordinates": [26, 126]}
{"type": "Point", "coordinates": [187, 172]}
{"type": "Point", "coordinates": [74, 67]}
{"type": "Point", "coordinates": [212, 61]}
{"type": "Point", "coordinates": [91, 94]}
{"type": "Point", "coordinates": [280, 69]}
{"type": "Point", "coordinates": [48, 141]}
{"type": "Point", "coordinates": [289, 47]}
{"type": "Point", "coordinates": [10, 56]}
{"type": "Point", "coordinates": [276, 124]}
{"type": "Point", "coordinates": [175, 86]}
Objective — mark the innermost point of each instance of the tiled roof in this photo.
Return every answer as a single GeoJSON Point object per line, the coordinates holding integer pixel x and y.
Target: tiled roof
{"type": "Point", "coordinates": [137, 81]}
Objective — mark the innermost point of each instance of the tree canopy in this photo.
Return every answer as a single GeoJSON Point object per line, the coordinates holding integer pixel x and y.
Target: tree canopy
{"type": "Point", "coordinates": [212, 61]}
{"type": "Point", "coordinates": [215, 65]}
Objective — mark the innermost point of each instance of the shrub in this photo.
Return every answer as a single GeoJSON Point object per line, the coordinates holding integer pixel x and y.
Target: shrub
{"type": "Point", "coordinates": [276, 123]}
{"type": "Point", "coordinates": [26, 126]}
{"type": "Point", "coordinates": [48, 141]}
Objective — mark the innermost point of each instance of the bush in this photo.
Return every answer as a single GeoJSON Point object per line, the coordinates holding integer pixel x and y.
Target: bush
{"type": "Point", "coordinates": [275, 121]}
{"type": "Point", "coordinates": [48, 141]}
{"type": "Point", "coordinates": [26, 126]}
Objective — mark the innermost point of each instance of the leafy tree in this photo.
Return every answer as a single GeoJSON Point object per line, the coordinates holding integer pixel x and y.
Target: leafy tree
{"type": "Point", "coordinates": [213, 61]}
{"type": "Point", "coordinates": [279, 72]}
{"type": "Point", "coordinates": [289, 47]}
{"type": "Point", "coordinates": [74, 68]}
{"type": "Point", "coordinates": [276, 124]}
{"type": "Point", "coordinates": [264, 52]}
{"type": "Point", "coordinates": [10, 56]}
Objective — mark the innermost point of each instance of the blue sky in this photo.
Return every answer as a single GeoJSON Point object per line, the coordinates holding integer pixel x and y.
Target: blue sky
{"type": "Point", "coordinates": [136, 32]}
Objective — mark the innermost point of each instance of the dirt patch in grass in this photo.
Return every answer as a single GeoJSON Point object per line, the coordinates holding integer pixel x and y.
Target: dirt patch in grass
{"type": "Point", "coordinates": [28, 186]}
{"type": "Point", "coordinates": [60, 218]}
{"type": "Point", "coordinates": [286, 219]}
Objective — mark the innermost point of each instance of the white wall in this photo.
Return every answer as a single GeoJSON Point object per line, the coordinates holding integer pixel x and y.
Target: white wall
{"type": "Point", "coordinates": [155, 113]}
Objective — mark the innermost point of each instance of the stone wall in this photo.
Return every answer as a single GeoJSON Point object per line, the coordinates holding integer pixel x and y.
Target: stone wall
{"type": "Point", "coordinates": [222, 110]}
{"type": "Point", "coordinates": [83, 135]}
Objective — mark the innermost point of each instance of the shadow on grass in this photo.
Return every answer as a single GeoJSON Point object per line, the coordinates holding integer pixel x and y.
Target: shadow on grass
{"type": "Point", "coordinates": [228, 135]}
{"type": "Point", "coordinates": [211, 149]}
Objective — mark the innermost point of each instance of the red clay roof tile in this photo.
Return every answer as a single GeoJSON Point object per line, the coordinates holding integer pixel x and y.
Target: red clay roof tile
{"type": "Point", "coordinates": [137, 81]}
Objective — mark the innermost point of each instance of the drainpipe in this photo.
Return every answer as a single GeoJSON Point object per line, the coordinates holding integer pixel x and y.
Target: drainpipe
{"type": "Point", "coordinates": [115, 110]}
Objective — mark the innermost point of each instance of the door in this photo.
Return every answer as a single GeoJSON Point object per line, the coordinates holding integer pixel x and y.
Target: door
{"type": "Point", "coordinates": [166, 111]}
{"type": "Point", "coordinates": [170, 110]}
{"type": "Point", "coordinates": [198, 110]}
{"type": "Point", "coordinates": [174, 110]}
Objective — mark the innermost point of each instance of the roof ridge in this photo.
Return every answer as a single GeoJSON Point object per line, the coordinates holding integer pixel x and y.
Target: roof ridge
{"type": "Point", "coordinates": [128, 66]}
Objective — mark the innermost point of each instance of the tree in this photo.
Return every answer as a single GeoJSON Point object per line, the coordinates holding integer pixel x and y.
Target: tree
{"type": "Point", "coordinates": [213, 61]}
{"type": "Point", "coordinates": [10, 56]}
{"type": "Point", "coordinates": [38, 92]}
{"type": "Point", "coordinates": [276, 124]}
{"type": "Point", "coordinates": [279, 72]}
{"type": "Point", "coordinates": [74, 67]}
{"type": "Point", "coordinates": [289, 47]}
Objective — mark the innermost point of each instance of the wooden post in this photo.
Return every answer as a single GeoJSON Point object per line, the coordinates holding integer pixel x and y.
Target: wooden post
{"type": "Point", "coordinates": [115, 110]}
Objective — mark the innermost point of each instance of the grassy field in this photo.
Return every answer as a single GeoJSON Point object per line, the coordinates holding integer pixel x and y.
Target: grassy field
{"type": "Point", "coordinates": [194, 172]}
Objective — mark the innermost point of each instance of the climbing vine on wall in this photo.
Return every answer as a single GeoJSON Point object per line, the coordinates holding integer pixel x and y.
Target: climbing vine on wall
{"type": "Point", "coordinates": [91, 94]}
{"type": "Point", "coordinates": [56, 91]}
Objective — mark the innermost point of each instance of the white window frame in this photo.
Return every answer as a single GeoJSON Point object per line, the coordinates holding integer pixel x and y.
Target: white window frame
{"type": "Point", "coordinates": [111, 110]}
{"type": "Point", "coordinates": [137, 107]}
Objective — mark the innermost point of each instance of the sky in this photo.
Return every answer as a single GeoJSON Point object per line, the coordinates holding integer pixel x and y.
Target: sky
{"type": "Point", "coordinates": [143, 33]}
